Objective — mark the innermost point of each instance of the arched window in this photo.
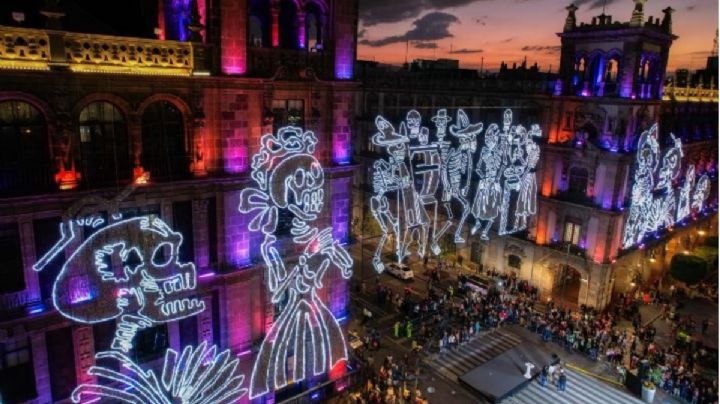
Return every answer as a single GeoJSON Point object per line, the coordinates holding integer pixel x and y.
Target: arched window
{"type": "Point", "coordinates": [259, 24]}
{"type": "Point", "coordinates": [288, 25]}
{"type": "Point", "coordinates": [104, 145]}
{"type": "Point", "coordinates": [24, 154]}
{"type": "Point", "coordinates": [313, 28]}
{"type": "Point", "coordinates": [513, 261]}
{"type": "Point", "coordinates": [163, 142]}
{"type": "Point", "coordinates": [577, 185]}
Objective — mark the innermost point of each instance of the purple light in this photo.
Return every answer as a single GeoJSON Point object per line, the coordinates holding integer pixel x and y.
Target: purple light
{"type": "Point", "coordinates": [80, 289]}
{"type": "Point", "coordinates": [585, 93]}
{"type": "Point", "coordinates": [36, 311]}
{"type": "Point", "coordinates": [244, 353]}
{"type": "Point", "coordinates": [207, 275]}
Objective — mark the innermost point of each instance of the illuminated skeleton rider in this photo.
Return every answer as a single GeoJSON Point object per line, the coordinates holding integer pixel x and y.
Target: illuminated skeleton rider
{"type": "Point", "coordinates": [290, 178]}
{"type": "Point", "coordinates": [409, 221]}
{"type": "Point", "coordinates": [666, 205]}
{"type": "Point", "coordinates": [456, 163]}
{"type": "Point", "coordinates": [641, 217]}
{"type": "Point", "coordinates": [425, 166]}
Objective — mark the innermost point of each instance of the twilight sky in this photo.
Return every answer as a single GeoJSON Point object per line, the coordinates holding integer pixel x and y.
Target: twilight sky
{"type": "Point", "coordinates": [507, 30]}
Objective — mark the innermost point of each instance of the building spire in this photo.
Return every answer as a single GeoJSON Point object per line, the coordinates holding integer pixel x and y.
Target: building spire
{"type": "Point", "coordinates": [570, 20]}
{"type": "Point", "coordinates": [638, 13]}
{"type": "Point", "coordinates": [667, 20]}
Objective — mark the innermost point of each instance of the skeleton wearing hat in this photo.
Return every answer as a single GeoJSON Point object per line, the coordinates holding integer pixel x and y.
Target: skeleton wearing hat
{"type": "Point", "coordinates": [410, 220]}
{"type": "Point", "coordinates": [458, 164]}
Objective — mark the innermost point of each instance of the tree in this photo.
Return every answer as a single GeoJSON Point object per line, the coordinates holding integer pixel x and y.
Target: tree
{"type": "Point", "coordinates": [690, 269]}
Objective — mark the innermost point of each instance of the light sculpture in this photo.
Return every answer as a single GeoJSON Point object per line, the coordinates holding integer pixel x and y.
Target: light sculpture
{"type": "Point", "coordinates": [655, 202]}
{"type": "Point", "coordinates": [290, 178]}
{"type": "Point", "coordinates": [130, 270]}
{"type": "Point", "coordinates": [443, 169]}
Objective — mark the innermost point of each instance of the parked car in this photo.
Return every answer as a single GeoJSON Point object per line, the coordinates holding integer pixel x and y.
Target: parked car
{"type": "Point", "coordinates": [400, 271]}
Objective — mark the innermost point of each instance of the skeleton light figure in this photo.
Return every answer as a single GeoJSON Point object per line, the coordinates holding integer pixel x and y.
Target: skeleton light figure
{"type": "Point", "coordinates": [289, 177]}
{"type": "Point", "coordinates": [132, 272]}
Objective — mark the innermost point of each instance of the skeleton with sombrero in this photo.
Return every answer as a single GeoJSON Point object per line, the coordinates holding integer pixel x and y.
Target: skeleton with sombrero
{"type": "Point", "coordinates": [410, 221]}
{"type": "Point", "coordinates": [456, 164]}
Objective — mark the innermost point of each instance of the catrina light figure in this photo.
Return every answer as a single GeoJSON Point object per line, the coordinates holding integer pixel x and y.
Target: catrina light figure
{"type": "Point", "coordinates": [289, 178]}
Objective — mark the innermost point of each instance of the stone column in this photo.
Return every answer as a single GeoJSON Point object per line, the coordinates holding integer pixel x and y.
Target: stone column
{"type": "Point", "coordinates": [40, 363]}
{"type": "Point", "coordinates": [27, 250]}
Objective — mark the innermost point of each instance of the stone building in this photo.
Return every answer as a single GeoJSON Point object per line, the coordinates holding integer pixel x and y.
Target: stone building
{"type": "Point", "coordinates": [85, 113]}
{"type": "Point", "coordinates": [609, 90]}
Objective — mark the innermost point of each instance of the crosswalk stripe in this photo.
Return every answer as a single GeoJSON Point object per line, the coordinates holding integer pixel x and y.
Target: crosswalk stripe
{"type": "Point", "coordinates": [473, 354]}
{"type": "Point", "coordinates": [582, 389]}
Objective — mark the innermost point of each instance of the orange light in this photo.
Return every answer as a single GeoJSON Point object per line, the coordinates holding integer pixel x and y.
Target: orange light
{"type": "Point", "coordinates": [140, 176]}
{"type": "Point", "coordinates": [67, 179]}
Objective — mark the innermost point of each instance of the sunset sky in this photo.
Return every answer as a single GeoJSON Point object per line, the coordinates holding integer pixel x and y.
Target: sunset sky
{"type": "Point", "coordinates": [508, 30]}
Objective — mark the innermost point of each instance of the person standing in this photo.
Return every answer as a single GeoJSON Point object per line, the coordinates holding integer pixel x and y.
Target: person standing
{"type": "Point", "coordinates": [562, 381]}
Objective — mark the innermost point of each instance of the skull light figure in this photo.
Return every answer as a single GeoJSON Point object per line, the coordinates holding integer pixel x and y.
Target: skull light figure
{"type": "Point", "coordinates": [297, 184]}
{"type": "Point", "coordinates": [131, 270]}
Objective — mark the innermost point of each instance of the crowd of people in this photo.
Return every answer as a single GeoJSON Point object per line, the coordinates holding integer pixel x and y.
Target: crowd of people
{"type": "Point", "coordinates": [444, 319]}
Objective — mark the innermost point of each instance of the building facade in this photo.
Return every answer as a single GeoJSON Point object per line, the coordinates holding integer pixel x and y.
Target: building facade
{"type": "Point", "coordinates": [608, 91]}
{"type": "Point", "coordinates": [180, 116]}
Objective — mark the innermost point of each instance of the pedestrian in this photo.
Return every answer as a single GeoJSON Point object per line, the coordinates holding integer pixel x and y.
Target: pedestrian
{"type": "Point", "coordinates": [396, 329]}
{"type": "Point", "coordinates": [408, 329]}
{"type": "Point", "coordinates": [562, 381]}
{"type": "Point", "coordinates": [705, 326]}
{"type": "Point", "coordinates": [544, 376]}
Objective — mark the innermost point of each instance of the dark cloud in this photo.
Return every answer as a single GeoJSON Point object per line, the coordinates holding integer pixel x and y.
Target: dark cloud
{"type": "Point", "coordinates": [595, 4]}
{"type": "Point", "coordinates": [425, 45]}
{"type": "Point", "coordinates": [541, 48]}
{"type": "Point", "coordinates": [373, 12]}
{"type": "Point", "coordinates": [546, 50]}
{"type": "Point", "coordinates": [507, 40]}
{"type": "Point", "coordinates": [361, 33]}
{"type": "Point", "coordinates": [430, 27]}
{"type": "Point", "coordinates": [466, 51]}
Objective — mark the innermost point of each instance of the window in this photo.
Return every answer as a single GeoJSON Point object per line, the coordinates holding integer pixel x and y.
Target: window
{"type": "Point", "coordinates": [212, 231]}
{"type": "Point", "coordinates": [24, 158]}
{"type": "Point", "coordinates": [104, 145]}
{"type": "Point", "coordinates": [514, 261]}
{"type": "Point", "coordinates": [61, 362]}
{"type": "Point", "coordinates": [572, 232]}
{"type": "Point", "coordinates": [12, 277]}
{"type": "Point", "coordinates": [259, 24]}
{"type": "Point", "coordinates": [103, 334]}
{"type": "Point", "coordinates": [288, 25]}
{"type": "Point", "coordinates": [17, 375]}
{"type": "Point", "coordinates": [183, 223]}
{"type": "Point", "coordinates": [45, 232]}
{"type": "Point", "coordinates": [288, 112]}
{"type": "Point", "coordinates": [188, 331]}
{"type": "Point", "coordinates": [577, 184]}
{"type": "Point", "coordinates": [151, 343]}
{"type": "Point", "coordinates": [163, 142]}
{"type": "Point", "coordinates": [313, 28]}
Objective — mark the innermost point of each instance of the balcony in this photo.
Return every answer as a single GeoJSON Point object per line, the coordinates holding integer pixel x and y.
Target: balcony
{"type": "Point", "coordinates": [690, 94]}
{"type": "Point", "coordinates": [34, 49]}
{"type": "Point", "coordinates": [264, 62]}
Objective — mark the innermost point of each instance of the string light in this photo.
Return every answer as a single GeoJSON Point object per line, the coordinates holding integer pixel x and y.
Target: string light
{"type": "Point", "coordinates": [290, 178]}
{"type": "Point", "coordinates": [506, 187]}
{"type": "Point", "coordinates": [648, 212]}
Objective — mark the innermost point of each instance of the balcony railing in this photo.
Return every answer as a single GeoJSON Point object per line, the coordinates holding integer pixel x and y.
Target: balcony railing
{"type": "Point", "coordinates": [690, 94]}
{"type": "Point", "coordinates": [35, 49]}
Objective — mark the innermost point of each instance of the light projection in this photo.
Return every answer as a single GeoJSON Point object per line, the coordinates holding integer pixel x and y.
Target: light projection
{"type": "Point", "coordinates": [129, 270]}
{"type": "Point", "coordinates": [306, 339]}
{"type": "Point", "coordinates": [655, 201]}
{"type": "Point", "coordinates": [419, 175]}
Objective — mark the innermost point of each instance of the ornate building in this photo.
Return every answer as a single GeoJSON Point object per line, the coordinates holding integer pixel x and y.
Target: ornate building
{"type": "Point", "coordinates": [179, 115]}
{"type": "Point", "coordinates": [608, 91]}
